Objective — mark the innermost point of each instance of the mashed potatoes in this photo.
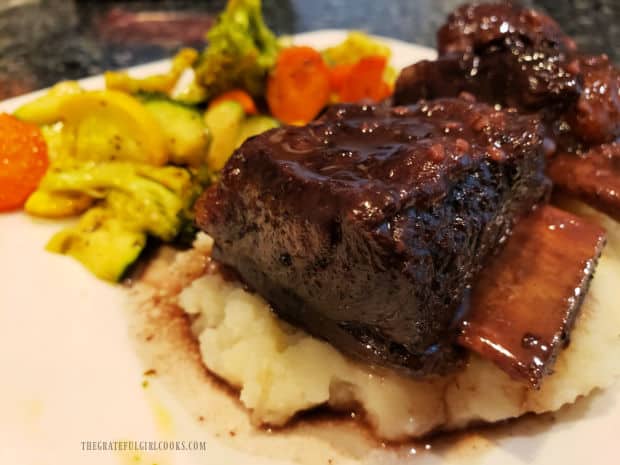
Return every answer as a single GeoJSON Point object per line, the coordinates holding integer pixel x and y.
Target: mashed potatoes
{"type": "Point", "coordinates": [280, 370]}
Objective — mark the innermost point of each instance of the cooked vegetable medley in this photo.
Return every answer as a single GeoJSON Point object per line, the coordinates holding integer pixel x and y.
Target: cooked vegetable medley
{"type": "Point", "coordinates": [131, 159]}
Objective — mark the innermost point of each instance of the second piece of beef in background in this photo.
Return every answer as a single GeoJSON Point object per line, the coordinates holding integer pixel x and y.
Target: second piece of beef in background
{"type": "Point", "coordinates": [592, 177]}
{"type": "Point", "coordinates": [512, 75]}
{"type": "Point", "coordinates": [504, 55]}
{"type": "Point", "coordinates": [472, 28]}
{"type": "Point", "coordinates": [516, 57]}
{"type": "Point", "coordinates": [596, 116]}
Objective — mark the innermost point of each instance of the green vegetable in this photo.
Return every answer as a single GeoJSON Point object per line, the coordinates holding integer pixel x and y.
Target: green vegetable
{"type": "Point", "coordinates": [229, 128]}
{"type": "Point", "coordinates": [97, 125]}
{"type": "Point", "coordinates": [190, 94]}
{"type": "Point", "coordinates": [101, 242]}
{"type": "Point", "coordinates": [147, 197]}
{"type": "Point", "coordinates": [240, 53]}
{"type": "Point", "coordinates": [56, 139]}
{"type": "Point", "coordinates": [202, 177]}
{"type": "Point", "coordinates": [163, 83]}
{"type": "Point", "coordinates": [57, 204]}
{"type": "Point", "coordinates": [255, 125]}
{"type": "Point", "coordinates": [224, 122]}
{"type": "Point", "coordinates": [134, 200]}
{"type": "Point", "coordinates": [112, 125]}
{"type": "Point", "coordinates": [184, 130]}
{"type": "Point", "coordinates": [45, 109]}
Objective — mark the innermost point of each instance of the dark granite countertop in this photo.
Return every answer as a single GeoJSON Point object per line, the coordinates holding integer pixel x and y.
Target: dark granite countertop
{"type": "Point", "coordinates": [43, 41]}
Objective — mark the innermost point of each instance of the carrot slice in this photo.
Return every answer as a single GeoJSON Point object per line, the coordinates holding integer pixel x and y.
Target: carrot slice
{"type": "Point", "coordinates": [338, 77]}
{"type": "Point", "coordinates": [299, 86]}
{"type": "Point", "coordinates": [23, 161]}
{"type": "Point", "coordinates": [365, 81]}
{"type": "Point", "coordinates": [239, 96]}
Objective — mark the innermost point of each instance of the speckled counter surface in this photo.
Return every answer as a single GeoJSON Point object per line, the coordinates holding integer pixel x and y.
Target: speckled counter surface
{"type": "Point", "coordinates": [43, 41]}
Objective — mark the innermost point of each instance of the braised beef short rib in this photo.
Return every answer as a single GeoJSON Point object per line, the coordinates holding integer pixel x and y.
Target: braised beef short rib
{"type": "Point", "coordinates": [367, 227]}
{"type": "Point", "coordinates": [512, 56]}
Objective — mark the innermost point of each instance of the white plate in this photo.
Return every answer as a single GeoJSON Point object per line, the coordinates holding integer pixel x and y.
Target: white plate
{"type": "Point", "coordinates": [70, 374]}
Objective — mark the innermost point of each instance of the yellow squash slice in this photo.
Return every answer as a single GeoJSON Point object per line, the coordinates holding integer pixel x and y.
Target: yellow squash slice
{"type": "Point", "coordinates": [111, 125]}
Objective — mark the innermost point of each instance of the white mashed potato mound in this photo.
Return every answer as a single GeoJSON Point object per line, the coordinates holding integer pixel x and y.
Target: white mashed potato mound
{"type": "Point", "coordinates": [280, 370]}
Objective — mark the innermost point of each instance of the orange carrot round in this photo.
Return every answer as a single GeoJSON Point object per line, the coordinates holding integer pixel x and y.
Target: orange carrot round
{"type": "Point", "coordinates": [365, 81]}
{"type": "Point", "coordinates": [299, 86]}
{"type": "Point", "coordinates": [338, 77]}
{"type": "Point", "coordinates": [239, 96]}
{"type": "Point", "coordinates": [23, 161]}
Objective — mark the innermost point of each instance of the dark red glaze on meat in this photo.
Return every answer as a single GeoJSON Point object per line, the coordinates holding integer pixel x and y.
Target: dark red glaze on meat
{"type": "Point", "coordinates": [367, 227]}
{"type": "Point", "coordinates": [515, 76]}
{"type": "Point", "coordinates": [473, 27]}
{"type": "Point", "coordinates": [593, 177]}
{"type": "Point", "coordinates": [596, 116]}
{"type": "Point", "coordinates": [504, 55]}
{"type": "Point", "coordinates": [514, 57]}
{"type": "Point", "coordinates": [524, 305]}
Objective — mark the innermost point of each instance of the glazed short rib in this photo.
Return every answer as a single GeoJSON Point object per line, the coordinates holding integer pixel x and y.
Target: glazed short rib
{"type": "Point", "coordinates": [368, 226]}
{"type": "Point", "coordinates": [508, 55]}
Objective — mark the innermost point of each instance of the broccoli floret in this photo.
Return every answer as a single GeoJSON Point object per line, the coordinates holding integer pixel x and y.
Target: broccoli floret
{"type": "Point", "coordinates": [241, 50]}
